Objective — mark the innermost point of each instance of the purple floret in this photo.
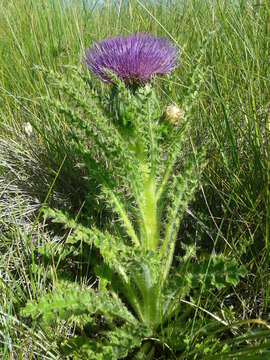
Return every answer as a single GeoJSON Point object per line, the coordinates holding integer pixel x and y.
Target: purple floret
{"type": "Point", "coordinates": [134, 59]}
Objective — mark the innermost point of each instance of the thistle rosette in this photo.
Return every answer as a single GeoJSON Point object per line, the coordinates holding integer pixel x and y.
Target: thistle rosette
{"type": "Point", "coordinates": [134, 59]}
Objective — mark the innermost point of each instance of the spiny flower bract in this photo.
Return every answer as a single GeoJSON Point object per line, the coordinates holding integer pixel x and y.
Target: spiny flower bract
{"type": "Point", "coordinates": [134, 59]}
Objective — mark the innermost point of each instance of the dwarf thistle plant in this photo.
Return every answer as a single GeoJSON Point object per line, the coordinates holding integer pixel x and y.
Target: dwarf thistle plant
{"type": "Point", "coordinates": [137, 158]}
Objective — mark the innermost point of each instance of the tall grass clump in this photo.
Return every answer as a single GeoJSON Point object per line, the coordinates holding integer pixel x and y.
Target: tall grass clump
{"type": "Point", "coordinates": [134, 214]}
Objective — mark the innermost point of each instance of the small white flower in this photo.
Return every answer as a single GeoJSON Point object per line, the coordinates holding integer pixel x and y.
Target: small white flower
{"type": "Point", "coordinates": [28, 129]}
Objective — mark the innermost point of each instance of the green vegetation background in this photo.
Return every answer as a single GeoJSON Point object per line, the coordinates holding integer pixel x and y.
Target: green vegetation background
{"type": "Point", "coordinates": [231, 213]}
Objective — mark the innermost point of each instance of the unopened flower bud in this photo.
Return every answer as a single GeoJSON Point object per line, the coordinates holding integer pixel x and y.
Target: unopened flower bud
{"type": "Point", "coordinates": [173, 114]}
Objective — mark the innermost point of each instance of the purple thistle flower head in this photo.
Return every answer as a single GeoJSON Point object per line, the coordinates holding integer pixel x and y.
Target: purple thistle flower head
{"type": "Point", "coordinates": [134, 59]}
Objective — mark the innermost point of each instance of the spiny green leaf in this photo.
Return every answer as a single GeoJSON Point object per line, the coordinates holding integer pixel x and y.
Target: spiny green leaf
{"type": "Point", "coordinates": [111, 345]}
{"type": "Point", "coordinates": [216, 272]}
{"type": "Point", "coordinates": [73, 301]}
{"type": "Point", "coordinates": [118, 206]}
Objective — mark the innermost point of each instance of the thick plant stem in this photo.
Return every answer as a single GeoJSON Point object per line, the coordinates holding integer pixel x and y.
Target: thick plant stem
{"type": "Point", "coordinates": [150, 213]}
{"type": "Point", "coordinates": [148, 203]}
